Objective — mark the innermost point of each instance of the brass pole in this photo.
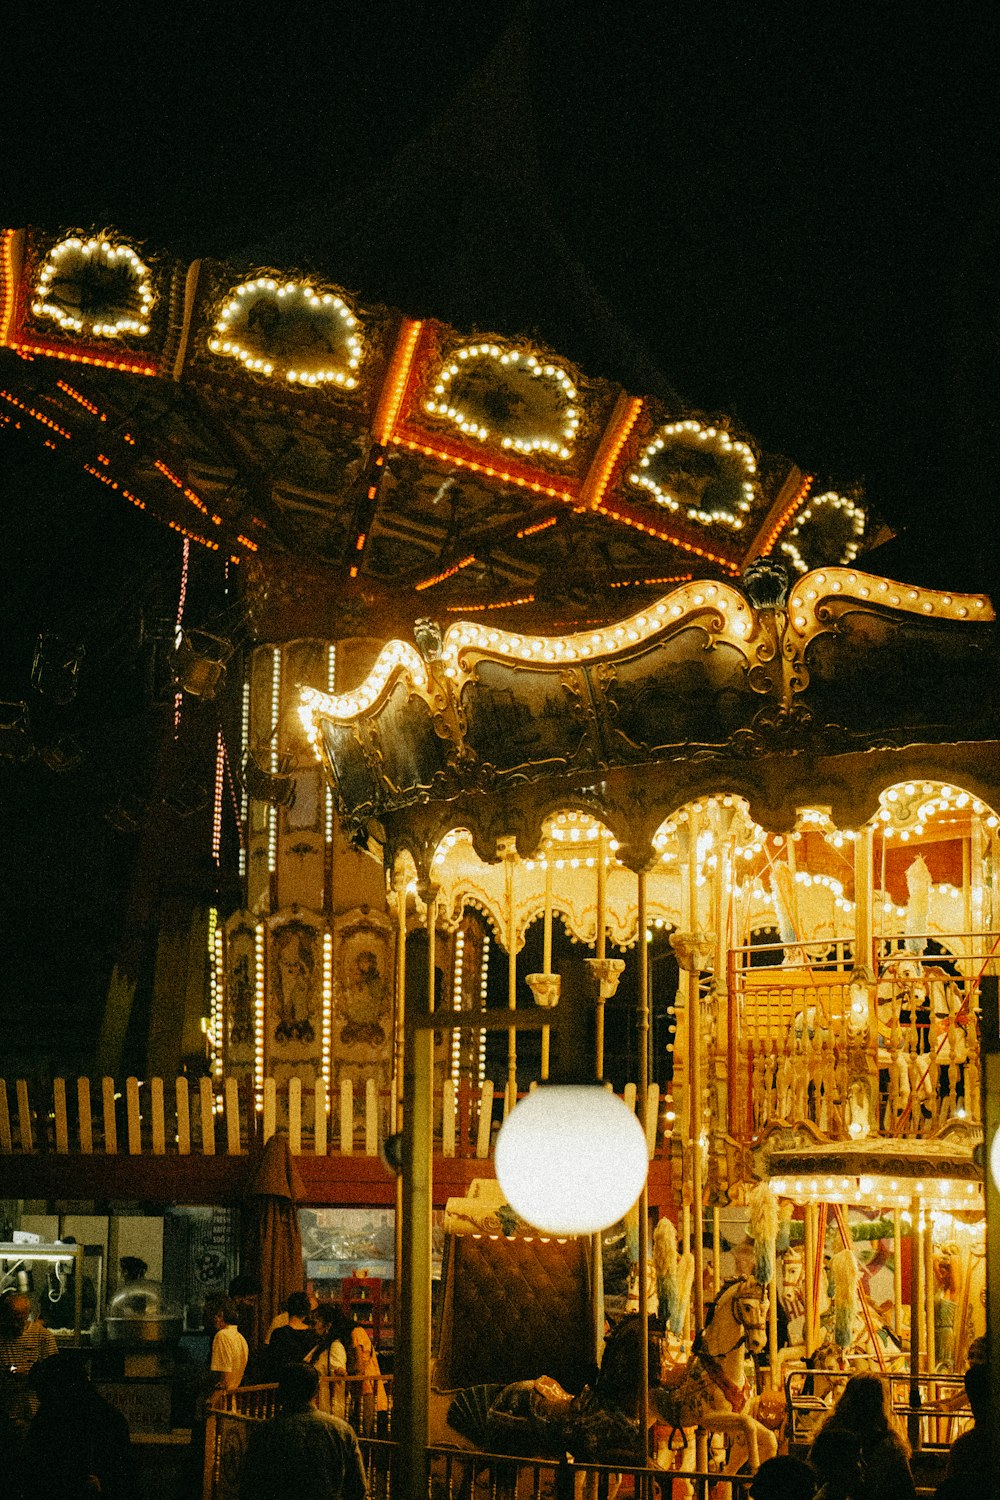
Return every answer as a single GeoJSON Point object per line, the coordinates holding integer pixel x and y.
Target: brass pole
{"type": "Point", "coordinates": [931, 1331]}
{"type": "Point", "coordinates": [511, 1098]}
{"type": "Point", "coordinates": [808, 1256]}
{"type": "Point", "coordinates": [547, 954]}
{"type": "Point", "coordinates": [716, 1251]}
{"type": "Point", "coordinates": [696, 1110]}
{"type": "Point", "coordinates": [916, 1309]}
{"type": "Point", "coordinates": [897, 1271]}
{"type": "Point", "coordinates": [864, 885]}
{"type": "Point", "coordinates": [602, 903]}
{"type": "Point", "coordinates": [597, 1240]}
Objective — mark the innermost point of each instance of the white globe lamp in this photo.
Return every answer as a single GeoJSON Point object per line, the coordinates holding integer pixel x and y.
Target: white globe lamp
{"type": "Point", "coordinates": [571, 1158]}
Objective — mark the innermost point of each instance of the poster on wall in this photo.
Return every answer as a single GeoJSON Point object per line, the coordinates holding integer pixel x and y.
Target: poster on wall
{"type": "Point", "coordinates": [363, 976]}
{"type": "Point", "coordinates": [240, 991]}
{"type": "Point", "coordinates": [293, 1009]}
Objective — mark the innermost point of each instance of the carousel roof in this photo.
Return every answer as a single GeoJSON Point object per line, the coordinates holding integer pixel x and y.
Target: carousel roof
{"type": "Point", "coordinates": [363, 465]}
{"type": "Point", "coordinates": [811, 696]}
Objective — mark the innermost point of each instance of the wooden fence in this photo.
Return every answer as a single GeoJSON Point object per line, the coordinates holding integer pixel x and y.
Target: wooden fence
{"type": "Point", "coordinates": [208, 1117]}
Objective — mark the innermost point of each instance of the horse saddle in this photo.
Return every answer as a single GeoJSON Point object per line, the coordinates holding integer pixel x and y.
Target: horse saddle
{"type": "Point", "coordinates": [548, 1399]}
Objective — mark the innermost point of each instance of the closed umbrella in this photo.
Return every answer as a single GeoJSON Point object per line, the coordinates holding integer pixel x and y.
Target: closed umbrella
{"type": "Point", "coordinates": [272, 1245]}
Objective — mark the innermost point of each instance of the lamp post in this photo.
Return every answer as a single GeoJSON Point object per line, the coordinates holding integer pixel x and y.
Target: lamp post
{"type": "Point", "coordinates": [413, 1363]}
{"type": "Point", "coordinates": [989, 1053]}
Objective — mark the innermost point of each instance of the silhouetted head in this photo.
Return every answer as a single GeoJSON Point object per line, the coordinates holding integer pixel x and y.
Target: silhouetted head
{"type": "Point", "coordinates": [297, 1387]}
{"type": "Point", "coordinates": [298, 1305]}
{"type": "Point", "coordinates": [243, 1286]}
{"type": "Point", "coordinates": [835, 1456]}
{"type": "Point", "coordinates": [219, 1311]}
{"type": "Point", "coordinates": [977, 1388]}
{"type": "Point", "coordinates": [60, 1380]}
{"type": "Point", "coordinates": [783, 1478]}
{"type": "Point", "coordinates": [864, 1406]}
{"type": "Point", "coordinates": [331, 1322]}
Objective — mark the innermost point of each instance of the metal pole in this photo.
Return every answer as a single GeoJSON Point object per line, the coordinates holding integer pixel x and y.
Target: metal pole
{"type": "Point", "coordinates": [916, 1309]}
{"type": "Point", "coordinates": [989, 1032]}
{"type": "Point", "coordinates": [696, 1109]}
{"type": "Point", "coordinates": [864, 879]}
{"type": "Point", "coordinates": [414, 1351]}
{"type": "Point", "coordinates": [511, 1098]}
{"type": "Point", "coordinates": [547, 954]}
{"type": "Point", "coordinates": [644, 1195]}
{"type": "Point", "coordinates": [601, 951]}
{"type": "Point", "coordinates": [399, 1047]}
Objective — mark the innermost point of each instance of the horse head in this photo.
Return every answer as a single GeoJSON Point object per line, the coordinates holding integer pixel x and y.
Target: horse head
{"type": "Point", "coordinates": [749, 1307]}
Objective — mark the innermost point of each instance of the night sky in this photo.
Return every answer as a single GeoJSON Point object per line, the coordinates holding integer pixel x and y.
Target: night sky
{"type": "Point", "coordinates": [786, 214]}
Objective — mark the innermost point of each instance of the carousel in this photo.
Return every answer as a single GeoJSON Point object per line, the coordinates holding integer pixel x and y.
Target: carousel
{"type": "Point", "coordinates": [660, 791]}
{"type": "Point", "coordinates": [769, 782]}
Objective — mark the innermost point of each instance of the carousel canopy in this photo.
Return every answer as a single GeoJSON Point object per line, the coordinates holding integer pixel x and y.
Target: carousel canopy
{"type": "Point", "coordinates": [819, 696]}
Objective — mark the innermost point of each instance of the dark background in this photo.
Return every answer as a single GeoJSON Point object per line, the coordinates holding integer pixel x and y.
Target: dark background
{"type": "Point", "coordinates": [784, 214]}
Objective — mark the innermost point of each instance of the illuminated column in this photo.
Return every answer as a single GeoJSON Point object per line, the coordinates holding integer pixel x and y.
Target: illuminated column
{"type": "Point", "coordinates": [274, 762]}
{"type": "Point", "coordinates": [244, 794]}
{"type": "Point", "coordinates": [220, 777]}
{"type": "Point", "coordinates": [217, 981]}
{"type": "Point", "coordinates": [327, 1019]}
{"type": "Point", "coordinates": [484, 981]}
{"type": "Point", "coordinates": [258, 1030]}
{"type": "Point", "coordinates": [329, 821]}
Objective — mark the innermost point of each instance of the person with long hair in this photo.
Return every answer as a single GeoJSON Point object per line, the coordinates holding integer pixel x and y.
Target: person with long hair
{"type": "Point", "coordinates": [328, 1356]}
{"type": "Point", "coordinates": [863, 1408]}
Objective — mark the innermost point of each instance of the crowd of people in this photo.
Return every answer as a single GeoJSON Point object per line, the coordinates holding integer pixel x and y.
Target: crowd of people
{"type": "Point", "coordinates": [60, 1439]}
{"type": "Point", "coordinates": [859, 1453]}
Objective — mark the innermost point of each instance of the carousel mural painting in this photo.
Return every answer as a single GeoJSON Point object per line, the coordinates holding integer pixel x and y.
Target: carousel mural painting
{"type": "Point", "coordinates": [557, 730]}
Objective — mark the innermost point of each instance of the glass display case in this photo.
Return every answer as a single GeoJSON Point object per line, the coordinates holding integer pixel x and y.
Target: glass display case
{"type": "Point", "coordinates": [65, 1282]}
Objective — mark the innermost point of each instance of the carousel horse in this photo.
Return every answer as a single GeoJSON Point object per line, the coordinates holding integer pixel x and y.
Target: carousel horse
{"type": "Point", "coordinates": [712, 1395]}
{"type": "Point", "coordinates": [538, 1418]}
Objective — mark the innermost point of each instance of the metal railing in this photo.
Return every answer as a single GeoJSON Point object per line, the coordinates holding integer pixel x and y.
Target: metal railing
{"type": "Point", "coordinates": [454, 1473]}
{"type": "Point", "coordinates": [932, 1409]}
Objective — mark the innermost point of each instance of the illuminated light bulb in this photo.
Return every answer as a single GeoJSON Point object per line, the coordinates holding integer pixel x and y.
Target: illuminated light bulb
{"type": "Point", "coordinates": [571, 1158]}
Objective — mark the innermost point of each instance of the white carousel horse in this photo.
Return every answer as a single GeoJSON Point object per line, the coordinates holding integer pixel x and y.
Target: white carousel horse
{"type": "Point", "coordinates": [713, 1394]}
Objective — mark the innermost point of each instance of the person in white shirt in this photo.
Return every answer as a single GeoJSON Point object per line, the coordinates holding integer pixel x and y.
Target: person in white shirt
{"type": "Point", "coordinates": [230, 1351]}
{"type": "Point", "coordinates": [329, 1356]}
